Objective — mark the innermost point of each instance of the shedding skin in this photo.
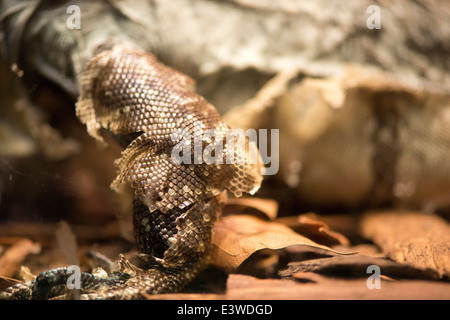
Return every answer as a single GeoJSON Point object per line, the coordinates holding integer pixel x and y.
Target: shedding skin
{"type": "Point", "coordinates": [150, 108]}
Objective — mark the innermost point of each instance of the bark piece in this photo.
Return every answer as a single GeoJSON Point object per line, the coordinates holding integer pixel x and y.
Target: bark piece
{"type": "Point", "coordinates": [419, 239]}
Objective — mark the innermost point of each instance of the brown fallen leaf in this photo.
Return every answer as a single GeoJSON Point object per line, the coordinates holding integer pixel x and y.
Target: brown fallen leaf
{"type": "Point", "coordinates": [268, 207]}
{"type": "Point", "coordinates": [236, 237]}
{"type": "Point", "coordinates": [419, 239]}
{"type": "Point", "coordinates": [314, 229]}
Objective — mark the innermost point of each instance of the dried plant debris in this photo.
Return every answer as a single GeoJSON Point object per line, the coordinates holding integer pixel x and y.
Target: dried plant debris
{"type": "Point", "coordinates": [419, 239]}
{"type": "Point", "coordinates": [356, 266]}
{"type": "Point", "coordinates": [237, 237]}
{"type": "Point", "coordinates": [267, 208]}
{"type": "Point", "coordinates": [294, 266]}
{"type": "Point", "coordinates": [314, 229]}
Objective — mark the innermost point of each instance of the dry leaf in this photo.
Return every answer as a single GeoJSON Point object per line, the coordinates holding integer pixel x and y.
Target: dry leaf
{"type": "Point", "coordinates": [419, 239]}
{"type": "Point", "coordinates": [236, 237]}
{"type": "Point", "coordinates": [314, 229]}
{"type": "Point", "coordinates": [268, 207]}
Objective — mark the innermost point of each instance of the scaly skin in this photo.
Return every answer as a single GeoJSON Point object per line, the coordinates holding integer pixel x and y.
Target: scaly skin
{"type": "Point", "coordinates": [149, 108]}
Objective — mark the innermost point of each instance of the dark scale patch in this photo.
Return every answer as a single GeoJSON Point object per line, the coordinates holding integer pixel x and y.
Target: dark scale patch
{"type": "Point", "coordinates": [153, 230]}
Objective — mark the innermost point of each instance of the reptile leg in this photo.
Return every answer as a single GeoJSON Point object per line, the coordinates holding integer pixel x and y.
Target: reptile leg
{"type": "Point", "coordinates": [53, 283]}
{"type": "Point", "coordinates": [175, 245]}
